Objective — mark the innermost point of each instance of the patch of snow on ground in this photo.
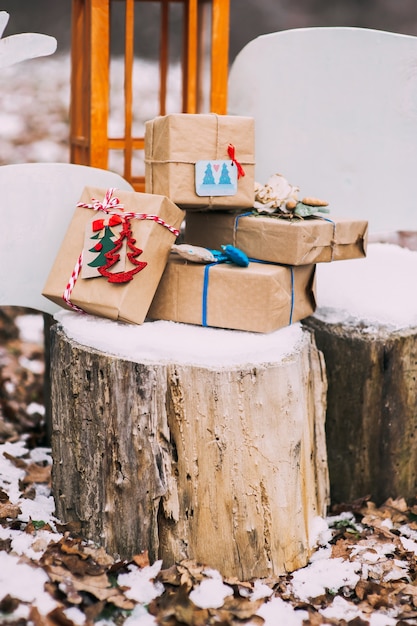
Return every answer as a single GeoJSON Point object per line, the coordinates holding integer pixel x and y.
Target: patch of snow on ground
{"type": "Point", "coordinates": [9, 474]}
{"type": "Point", "coordinates": [139, 617]}
{"type": "Point", "coordinates": [41, 507]}
{"type": "Point", "coordinates": [30, 545]}
{"type": "Point", "coordinates": [341, 609]}
{"type": "Point", "coordinates": [323, 575]}
{"type": "Point", "coordinates": [20, 580]}
{"type": "Point", "coordinates": [319, 534]}
{"type": "Point", "coordinates": [277, 611]}
{"type": "Point", "coordinates": [75, 615]}
{"type": "Point", "coordinates": [140, 582]}
{"type": "Point", "coordinates": [211, 592]}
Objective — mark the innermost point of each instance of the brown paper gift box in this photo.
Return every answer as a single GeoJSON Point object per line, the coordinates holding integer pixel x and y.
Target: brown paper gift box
{"type": "Point", "coordinates": [130, 301]}
{"type": "Point", "coordinates": [259, 298]}
{"type": "Point", "coordinates": [295, 242]}
{"type": "Point", "coordinates": [174, 143]}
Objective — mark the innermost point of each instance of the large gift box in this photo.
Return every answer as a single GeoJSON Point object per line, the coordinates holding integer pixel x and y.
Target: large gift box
{"type": "Point", "coordinates": [280, 240]}
{"type": "Point", "coordinates": [260, 297]}
{"type": "Point", "coordinates": [114, 253]}
{"type": "Point", "coordinates": [201, 161]}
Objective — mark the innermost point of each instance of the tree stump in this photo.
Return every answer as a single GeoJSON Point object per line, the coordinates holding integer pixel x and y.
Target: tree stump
{"type": "Point", "coordinates": [371, 421]}
{"type": "Point", "coordinates": [366, 327]}
{"type": "Point", "coordinates": [224, 463]}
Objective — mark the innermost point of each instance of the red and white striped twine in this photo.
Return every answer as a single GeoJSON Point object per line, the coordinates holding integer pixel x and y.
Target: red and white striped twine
{"type": "Point", "coordinates": [148, 216]}
{"type": "Point", "coordinates": [70, 285]}
{"type": "Point", "coordinates": [110, 203]}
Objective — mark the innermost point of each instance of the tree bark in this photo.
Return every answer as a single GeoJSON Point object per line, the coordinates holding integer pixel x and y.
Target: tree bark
{"type": "Point", "coordinates": [371, 421]}
{"type": "Point", "coordinates": [226, 467]}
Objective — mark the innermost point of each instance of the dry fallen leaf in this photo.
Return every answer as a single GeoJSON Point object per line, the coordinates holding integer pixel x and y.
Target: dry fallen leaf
{"type": "Point", "coordinates": [241, 608]}
{"type": "Point", "coordinates": [99, 555]}
{"type": "Point", "coordinates": [141, 560]}
{"type": "Point", "coordinates": [17, 462]}
{"type": "Point", "coordinates": [37, 619]}
{"type": "Point", "coordinates": [8, 510]}
{"type": "Point", "coordinates": [98, 586]}
{"type": "Point", "coordinates": [190, 573]}
{"type": "Point", "coordinates": [37, 474]}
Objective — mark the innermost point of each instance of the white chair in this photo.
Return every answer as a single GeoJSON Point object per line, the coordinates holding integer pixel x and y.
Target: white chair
{"type": "Point", "coordinates": [37, 203]}
{"type": "Point", "coordinates": [335, 112]}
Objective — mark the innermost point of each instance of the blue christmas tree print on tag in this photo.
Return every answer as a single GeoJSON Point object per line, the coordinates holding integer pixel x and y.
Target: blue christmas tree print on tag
{"type": "Point", "coordinates": [215, 178]}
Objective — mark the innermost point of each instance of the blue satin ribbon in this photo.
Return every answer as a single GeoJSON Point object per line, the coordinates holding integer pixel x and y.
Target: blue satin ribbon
{"type": "Point", "coordinates": [205, 292]}
{"type": "Point", "coordinates": [236, 223]}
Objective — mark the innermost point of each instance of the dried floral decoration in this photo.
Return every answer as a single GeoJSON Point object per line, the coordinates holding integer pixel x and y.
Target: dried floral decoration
{"type": "Point", "coordinates": [279, 198]}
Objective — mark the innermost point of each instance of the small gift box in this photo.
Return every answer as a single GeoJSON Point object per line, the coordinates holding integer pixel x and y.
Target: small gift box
{"type": "Point", "coordinates": [258, 298]}
{"type": "Point", "coordinates": [292, 241]}
{"type": "Point", "coordinates": [114, 253]}
{"type": "Point", "coordinates": [201, 161]}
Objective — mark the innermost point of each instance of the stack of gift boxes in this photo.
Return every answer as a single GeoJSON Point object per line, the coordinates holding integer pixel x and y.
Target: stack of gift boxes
{"type": "Point", "coordinates": [120, 257]}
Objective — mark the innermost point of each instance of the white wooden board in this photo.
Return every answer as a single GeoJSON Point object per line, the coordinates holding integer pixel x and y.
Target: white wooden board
{"type": "Point", "coordinates": [23, 46]}
{"type": "Point", "coordinates": [336, 113]}
{"type": "Point", "coordinates": [37, 203]}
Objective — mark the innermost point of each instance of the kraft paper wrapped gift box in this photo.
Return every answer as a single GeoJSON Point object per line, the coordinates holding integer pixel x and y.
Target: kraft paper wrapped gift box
{"type": "Point", "coordinates": [195, 160]}
{"type": "Point", "coordinates": [125, 244]}
{"type": "Point", "coordinates": [278, 240]}
{"type": "Point", "coordinates": [258, 298]}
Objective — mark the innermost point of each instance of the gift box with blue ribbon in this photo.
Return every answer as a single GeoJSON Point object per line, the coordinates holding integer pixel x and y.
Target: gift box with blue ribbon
{"type": "Point", "coordinates": [260, 297]}
{"type": "Point", "coordinates": [275, 239]}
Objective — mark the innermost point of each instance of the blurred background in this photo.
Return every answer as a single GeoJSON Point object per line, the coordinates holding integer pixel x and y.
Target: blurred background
{"type": "Point", "coordinates": [35, 94]}
{"type": "Point", "coordinates": [249, 18]}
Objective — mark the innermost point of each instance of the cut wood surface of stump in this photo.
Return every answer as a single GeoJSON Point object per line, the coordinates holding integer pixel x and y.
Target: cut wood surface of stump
{"type": "Point", "coordinates": [223, 462]}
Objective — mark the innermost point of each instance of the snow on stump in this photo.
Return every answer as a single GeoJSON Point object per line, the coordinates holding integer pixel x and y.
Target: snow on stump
{"type": "Point", "coordinates": [366, 327]}
{"type": "Point", "coordinates": [190, 442]}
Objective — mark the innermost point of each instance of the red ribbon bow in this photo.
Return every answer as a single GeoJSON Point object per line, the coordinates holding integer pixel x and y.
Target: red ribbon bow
{"type": "Point", "coordinates": [231, 153]}
{"type": "Point", "coordinates": [100, 224]}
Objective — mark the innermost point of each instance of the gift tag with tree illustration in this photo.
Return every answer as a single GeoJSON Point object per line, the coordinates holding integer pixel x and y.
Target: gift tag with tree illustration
{"type": "Point", "coordinates": [100, 238]}
{"type": "Point", "coordinates": [216, 178]}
